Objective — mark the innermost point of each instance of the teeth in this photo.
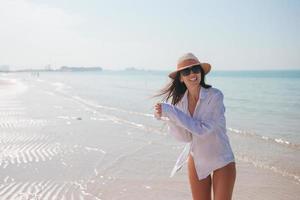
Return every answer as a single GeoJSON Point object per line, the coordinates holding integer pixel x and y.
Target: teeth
{"type": "Point", "coordinates": [193, 79]}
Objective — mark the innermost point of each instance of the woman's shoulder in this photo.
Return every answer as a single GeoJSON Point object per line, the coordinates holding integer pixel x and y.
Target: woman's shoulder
{"type": "Point", "coordinates": [212, 91]}
{"type": "Point", "coordinates": [180, 104]}
{"type": "Point", "coordinates": [183, 100]}
{"type": "Point", "coordinates": [214, 95]}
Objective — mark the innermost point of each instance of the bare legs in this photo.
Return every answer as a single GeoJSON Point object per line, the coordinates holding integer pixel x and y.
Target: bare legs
{"type": "Point", "coordinates": [222, 181]}
{"type": "Point", "coordinates": [201, 190]}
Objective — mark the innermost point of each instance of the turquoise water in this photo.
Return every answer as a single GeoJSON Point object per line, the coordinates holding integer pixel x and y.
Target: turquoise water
{"type": "Point", "coordinates": [266, 103]}
{"type": "Point", "coordinates": [262, 108]}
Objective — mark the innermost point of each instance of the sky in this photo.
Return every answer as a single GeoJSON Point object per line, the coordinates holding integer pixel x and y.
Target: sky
{"type": "Point", "coordinates": [153, 34]}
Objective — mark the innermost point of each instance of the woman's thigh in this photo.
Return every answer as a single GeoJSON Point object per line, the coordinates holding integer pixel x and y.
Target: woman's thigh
{"type": "Point", "coordinates": [223, 182]}
{"type": "Point", "coordinates": [201, 190]}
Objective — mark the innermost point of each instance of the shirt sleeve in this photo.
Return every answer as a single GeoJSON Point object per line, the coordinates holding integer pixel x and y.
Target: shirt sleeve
{"type": "Point", "coordinates": [181, 134]}
{"type": "Point", "coordinates": [196, 126]}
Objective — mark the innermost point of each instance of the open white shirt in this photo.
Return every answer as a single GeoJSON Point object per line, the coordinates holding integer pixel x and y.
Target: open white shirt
{"type": "Point", "coordinates": [205, 131]}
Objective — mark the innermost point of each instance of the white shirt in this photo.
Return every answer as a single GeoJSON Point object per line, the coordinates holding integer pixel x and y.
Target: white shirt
{"type": "Point", "coordinates": [205, 132]}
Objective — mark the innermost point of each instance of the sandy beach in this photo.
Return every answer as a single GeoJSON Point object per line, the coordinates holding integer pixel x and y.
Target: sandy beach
{"type": "Point", "coordinates": [55, 146]}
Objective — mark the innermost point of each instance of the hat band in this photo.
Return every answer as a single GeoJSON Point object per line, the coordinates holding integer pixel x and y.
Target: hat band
{"type": "Point", "coordinates": [187, 62]}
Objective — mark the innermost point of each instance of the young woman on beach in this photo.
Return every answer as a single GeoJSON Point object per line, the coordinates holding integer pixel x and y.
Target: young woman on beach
{"type": "Point", "coordinates": [196, 116]}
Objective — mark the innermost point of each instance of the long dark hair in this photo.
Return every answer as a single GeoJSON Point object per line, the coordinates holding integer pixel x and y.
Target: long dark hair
{"type": "Point", "coordinates": [176, 89]}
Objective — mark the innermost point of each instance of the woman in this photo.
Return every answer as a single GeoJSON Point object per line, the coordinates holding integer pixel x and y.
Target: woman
{"type": "Point", "coordinates": [196, 116]}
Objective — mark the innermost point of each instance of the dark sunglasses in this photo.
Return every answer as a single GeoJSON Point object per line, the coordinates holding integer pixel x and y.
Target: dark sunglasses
{"type": "Point", "coordinates": [195, 69]}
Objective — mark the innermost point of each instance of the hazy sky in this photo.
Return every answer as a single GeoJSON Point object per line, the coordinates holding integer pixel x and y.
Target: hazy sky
{"type": "Point", "coordinates": [256, 34]}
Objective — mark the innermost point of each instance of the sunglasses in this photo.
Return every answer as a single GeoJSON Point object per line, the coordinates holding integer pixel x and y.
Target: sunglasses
{"type": "Point", "coordinates": [195, 69]}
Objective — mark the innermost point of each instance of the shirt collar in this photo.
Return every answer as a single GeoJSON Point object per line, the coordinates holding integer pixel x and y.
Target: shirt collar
{"type": "Point", "coordinates": [203, 94]}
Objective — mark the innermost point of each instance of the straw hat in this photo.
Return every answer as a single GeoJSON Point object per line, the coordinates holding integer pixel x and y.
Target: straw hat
{"type": "Point", "coordinates": [189, 60]}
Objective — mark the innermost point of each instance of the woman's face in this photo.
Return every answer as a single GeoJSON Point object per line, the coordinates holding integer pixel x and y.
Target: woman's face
{"type": "Point", "coordinates": [192, 79]}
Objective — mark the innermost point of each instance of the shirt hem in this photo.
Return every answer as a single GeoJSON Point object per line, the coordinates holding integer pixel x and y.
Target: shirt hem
{"type": "Point", "coordinates": [218, 166]}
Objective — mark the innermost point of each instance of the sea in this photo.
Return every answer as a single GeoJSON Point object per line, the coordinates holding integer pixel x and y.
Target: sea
{"type": "Point", "coordinates": [92, 135]}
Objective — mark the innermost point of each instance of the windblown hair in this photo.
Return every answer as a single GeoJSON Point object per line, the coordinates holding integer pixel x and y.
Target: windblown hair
{"type": "Point", "coordinates": [175, 90]}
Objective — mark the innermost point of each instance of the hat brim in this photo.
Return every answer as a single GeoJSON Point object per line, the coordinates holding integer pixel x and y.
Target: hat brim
{"type": "Point", "coordinates": [205, 66]}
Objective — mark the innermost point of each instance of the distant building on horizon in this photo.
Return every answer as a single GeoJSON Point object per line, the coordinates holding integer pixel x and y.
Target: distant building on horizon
{"type": "Point", "coordinates": [80, 69]}
{"type": "Point", "coordinates": [48, 68]}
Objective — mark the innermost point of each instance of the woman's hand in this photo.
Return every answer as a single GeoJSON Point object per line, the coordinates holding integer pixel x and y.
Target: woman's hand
{"type": "Point", "coordinates": [157, 111]}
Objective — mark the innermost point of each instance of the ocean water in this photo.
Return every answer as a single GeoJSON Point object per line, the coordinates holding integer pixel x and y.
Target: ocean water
{"type": "Point", "coordinates": [263, 104]}
{"type": "Point", "coordinates": [262, 112]}
{"type": "Point", "coordinates": [262, 107]}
